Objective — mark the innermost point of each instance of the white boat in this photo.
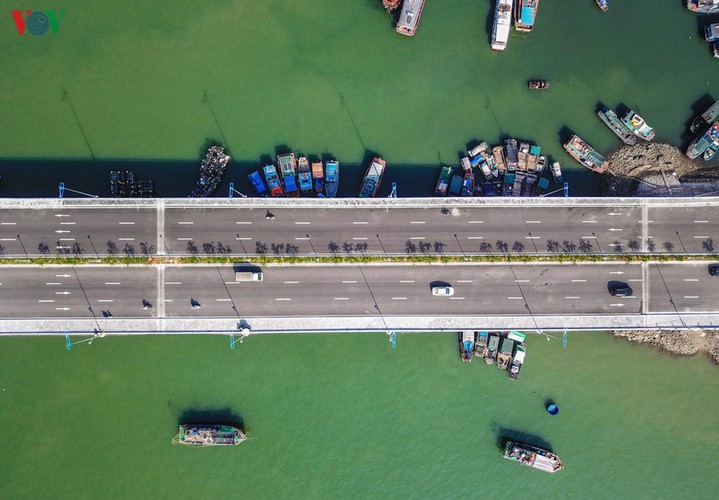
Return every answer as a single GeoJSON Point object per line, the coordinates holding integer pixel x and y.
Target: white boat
{"type": "Point", "coordinates": [409, 17]}
{"type": "Point", "coordinates": [557, 171]}
{"type": "Point", "coordinates": [502, 24]}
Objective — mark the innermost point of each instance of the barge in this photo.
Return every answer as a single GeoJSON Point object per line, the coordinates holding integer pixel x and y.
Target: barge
{"type": "Point", "coordinates": [586, 155]}
{"type": "Point", "coordinates": [209, 435]}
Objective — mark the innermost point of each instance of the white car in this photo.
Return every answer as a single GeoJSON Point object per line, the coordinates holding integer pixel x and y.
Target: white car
{"type": "Point", "coordinates": [443, 290]}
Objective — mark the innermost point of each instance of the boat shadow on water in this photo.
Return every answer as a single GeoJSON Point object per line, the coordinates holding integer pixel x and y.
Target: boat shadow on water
{"type": "Point", "coordinates": [504, 434]}
{"type": "Point", "coordinates": [218, 416]}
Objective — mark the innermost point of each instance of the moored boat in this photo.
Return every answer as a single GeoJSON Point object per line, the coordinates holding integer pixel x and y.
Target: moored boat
{"type": "Point", "coordinates": [212, 167]}
{"type": "Point", "coordinates": [705, 118]}
{"type": "Point", "coordinates": [526, 14]}
{"type": "Point", "coordinates": [715, 50]}
{"type": "Point", "coordinates": [638, 126]}
{"type": "Point", "coordinates": [455, 185]}
{"type": "Point", "coordinates": [288, 171]}
{"type": "Point", "coordinates": [468, 183]}
{"type": "Point", "coordinates": [523, 156]}
{"type": "Point", "coordinates": [332, 178]}
{"type": "Point", "coordinates": [409, 17]}
{"type": "Point", "coordinates": [209, 435]}
{"type": "Point", "coordinates": [612, 121]}
{"type": "Point", "coordinates": [502, 24]}
{"type": "Point", "coordinates": [479, 148]}
{"type": "Point", "coordinates": [390, 4]}
{"type": "Point", "coordinates": [258, 183]}
{"type": "Point", "coordinates": [711, 32]}
{"type": "Point", "coordinates": [492, 348]}
{"type": "Point", "coordinates": [373, 178]}
{"type": "Point", "coordinates": [557, 172]}
{"type": "Point", "coordinates": [466, 345]}
{"type": "Point", "coordinates": [586, 155]}
{"type": "Point", "coordinates": [273, 182]}
{"type": "Point", "coordinates": [517, 360]}
{"type": "Point", "coordinates": [538, 84]}
{"type": "Point", "coordinates": [711, 151]}
{"type": "Point", "coordinates": [602, 4]}
{"type": "Point", "coordinates": [702, 143]}
{"type": "Point", "coordinates": [305, 175]}
{"type": "Point", "coordinates": [703, 6]}
{"type": "Point", "coordinates": [498, 155]}
{"type": "Point", "coordinates": [480, 345]}
{"type": "Point", "coordinates": [532, 456]}
{"type": "Point", "coordinates": [443, 182]}
{"type": "Point", "coordinates": [318, 177]}
{"type": "Point", "coordinates": [541, 162]}
{"type": "Point", "coordinates": [511, 154]}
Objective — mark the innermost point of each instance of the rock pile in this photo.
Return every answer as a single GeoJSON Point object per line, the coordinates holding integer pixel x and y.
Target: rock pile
{"type": "Point", "coordinates": [679, 342]}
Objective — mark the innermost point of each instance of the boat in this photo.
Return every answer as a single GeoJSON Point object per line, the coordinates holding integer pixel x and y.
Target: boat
{"type": "Point", "coordinates": [532, 456]}
{"type": "Point", "coordinates": [711, 32]}
{"type": "Point", "coordinates": [372, 178]}
{"type": "Point", "coordinates": [510, 146]}
{"type": "Point", "coordinates": [468, 183]}
{"type": "Point", "coordinates": [523, 156]}
{"type": "Point", "coordinates": [480, 345]}
{"type": "Point", "coordinates": [318, 177]}
{"type": "Point", "coordinates": [612, 121]}
{"type": "Point", "coordinates": [602, 4]}
{"type": "Point", "coordinates": [443, 182]}
{"type": "Point", "coordinates": [479, 162]}
{"type": "Point", "coordinates": [502, 24]}
{"type": "Point", "coordinates": [541, 162]}
{"type": "Point", "coordinates": [273, 182]}
{"type": "Point", "coordinates": [288, 171]}
{"type": "Point", "coordinates": [538, 84]}
{"type": "Point", "coordinates": [305, 175]}
{"type": "Point", "coordinates": [390, 4]}
{"type": "Point", "coordinates": [703, 6]}
{"type": "Point", "coordinates": [466, 345]}
{"type": "Point", "coordinates": [332, 178]}
{"type": "Point", "coordinates": [711, 151]}
{"type": "Point", "coordinates": [498, 155]}
{"type": "Point", "coordinates": [492, 348]}
{"type": "Point", "coordinates": [515, 364]}
{"type": "Point", "coordinates": [479, 148]}
{"type": "Point", "coordinates": [209, 435]}
{"type": "Point", "coordinates": [586, 155]}
{"type": "Point", "coordinates": [409, 17]}
{"type": "Point", "coordinates": [638, 126]}
{"type": "Point", "coordinates": [533, 158]}
{"type": "Point", "coordinates": [715, 49]}
{"type": "Point", "coordinates": [455, 185]}
{"type": "Point", "coordinates": [258, 183]}
{"type": "Point", "coordinates": [701, 143]}
{"type": "Point", "coordinates": [212, 167]}
{"type": "Point", "coordinates": [557, 172]}
{"type": "Point", "coordinates": [526, 14]}
{"type": "Point", "coordinates": [705, 118]}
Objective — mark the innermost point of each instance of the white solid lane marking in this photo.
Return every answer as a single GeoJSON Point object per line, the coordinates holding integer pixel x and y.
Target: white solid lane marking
{"type": "Point", "coordinates": [243, 239]}
{"type": "Point", "coordinates": [521, 281]}
{"type": "Point", "coordinates": [360, 222]}
{"type": "Point", "coordinates": [283, 298]}
{"type": "Point", "coordinates": [243, 222]}
{"type": "Point", "coordinates": [359, 238]}
{"type": "Point", "coordinates": [589, 222]}
{"type": "Point", "coordinates": [341, 298]}
{"type": "Point", "coordinates": [7, 239]}
{"type": "Point", "coordinates": [475, 237]}
{"type": "Point", "coordinates": [617, 305]}
{"type": "Point", "coordinates": [8, 223]}
{"type": "Point", "coordinates": [534, 222]}
{"type": "Point", "coordinates": [46, 300]}
{"type": "Point", "coordinates": [589, 237]}
{"type": "Point", "coordinates": [456, 298]}
{"type": "Point", "coordinates": [302, 238]}
{"type": "Point", "coordinates": [399, 298]}
{"type": "Point", "coordinates": [185, 239]}
{"type": "Point", "coordinates": [616, 272]}
{"type": "Point", "coordinates": [63, 293]}
{"type": "Point", "coordinates": [701, 222]}
{"type": "Point", "coordinates": [571, 298]}
{"type": "Point", "coordinates": [615, 213]}
{"type": "Point", "coordinates": [67, 239]}
{"type": "Point", "coordinates": [105, 300]}
{"type": "Point", "coordinates": [173, 282]}
{"type": "Point", "coordinates": [616, 229]}
{"type": "Point", "coordinates": [464, 281]}
{"type": "Point", "coordinates": [187, 222]}
{"type": "Point", "coordinates": [417, 222]}
{"type": "Point", "coordinates": [223, 300]}
{"type": "Point", "coordinates": [113, 283]}
{"type": "Point", "coordinates": [304, 223]}
{"type": "Point", "coordinates": [291, 282]}
{"type": "Point", "coordinates": [579, 281]}
{"type": "Point", "coordinates": [348, 281]}
{"type": "Point", "coordinates": [637, 280]}
{"type": "Point", "coordinates": [126, 239]}
{"type": "Point", "coordinates": [532, 237]}
{"type": "Point", "coordinates": [62, 308]}
{"type": "Point", "coordinates": [53, 284]}
{"type": "Point", "coordinates": [475, 222]}
{"type": "Point", "coordinates": [416, 237]}
{"type": "Point", "coordinates": [62, 275]}
{"type": "Point", "coordinates": [691, 296]}
{"type": "Point", "coordinates": [127, 223]}
{"type": "Point", "coordinates": [515, 298]}
{"type": "Point", "coordinates": [67, 223]}
{"type": "Point", "coordinates": [701, 237]}
{"type": "Point", "coordinates": [406, 281]}
{"type": "Point", "coordinates": [691, 279]}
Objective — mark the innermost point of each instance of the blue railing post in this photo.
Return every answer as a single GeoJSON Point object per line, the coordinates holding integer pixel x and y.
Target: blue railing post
{"type": "Point", "coordinates": [566, 190]}
{"type": "Point", "coordinates": [232, 189]}
{"type": "Point", "coordinates": [62, 190]}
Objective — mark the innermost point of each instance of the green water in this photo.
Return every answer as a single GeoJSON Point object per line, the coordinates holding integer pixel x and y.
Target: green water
{"type": "Point", "coordinates": [329, 77]}
{"type": "Point", "coordinates": [346, 416]}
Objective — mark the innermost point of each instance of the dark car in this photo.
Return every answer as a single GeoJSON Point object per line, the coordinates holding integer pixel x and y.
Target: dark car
{"type": "Point", "coordinates": [618, 289]}
{"type": "Point", "coordinates": [714, 269]}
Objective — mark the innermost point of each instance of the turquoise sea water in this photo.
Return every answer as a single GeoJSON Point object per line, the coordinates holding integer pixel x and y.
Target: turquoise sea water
{"type": "Point", "coordinates": [347, 416]}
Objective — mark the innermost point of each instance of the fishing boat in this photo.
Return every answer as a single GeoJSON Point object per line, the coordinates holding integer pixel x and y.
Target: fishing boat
{"type": "Point", "coordinates": [332, 178]}
{"type": "Point", "coordinates": [711, 151]}
{"type": "Point", "coordinates": [541, 162]}
{"type": "Point", "coordinates": [517, 359]}
{"type": "Point", "coordinates": [390, 4]}
{"type": "Point", "coordinates": [455, 185]}
{"type": "Point", "coordinates": [409, 17]}
{"type": "Point", "coordinates": [318, 177]}
{"type": "Point", "coordinates": [491, 164]}
{"type": "Point", "coordinates": [502, 24]}
{"type": "Point", "coordinates": [705, 118]}
{"type": "Point", "coordinates": [273, 182]}
{"type": "Point", "coordinates": [258, 183]}
{"type": "Point", "coordinates": [443, 182]}
{"type": "Point", "coordinates": [715, 49]}
{"type": "Point", "coordinates": [490, 355]}
{"type": "Point", "coordinates": [510, 146]}
{"type": "Point", "coordinates": [498, 155]}
{"type": "Point", "coordinates": [557, 172]}
{"type": "Point", "coordinates": [711, 32]}
{"type": "Point", "coordinates": [533, 158]}
{"type": "Point", "coordinates": [305, 175]}
{"type": "Point", "coordinates": [480, 345]}
{"type": "Point", "coordinates": [538, 84]}
{"type": "Point", "coordinates": [612, 121]}
{"type": "Point", "coordinates": [704, 141]}
{"type": "Point", "coordinates": [526, 14]}
{"type": "Point", "coordinates": [638, 126]}
{"type": "Point", "coordinates": [532, 456]}
{"type": "Point", "coordinates": [373, 178]}
{"type": "Point", "coordinates": [212, 167]}
{"type": "Point", "coordinates": [523, 156]}
{"type": "Point", "coordinates": [479, 162]}
{"type": "Point", "coordinates": [703, 6]}
{"type": "Point", "coordinates": [602, 4]}
{"type": "Point", "coordinates": [288, 171]}
{"type": "Point", "coordinates": [468, 183]}
{"type": "Point", "coordinates": [479, 148]}
{"type": "Point", "coordinates": [466, 345]}
{"type": "Point", "coordinates": [586, 155]}
{"type": "Point", "coordinates": [209, 435]}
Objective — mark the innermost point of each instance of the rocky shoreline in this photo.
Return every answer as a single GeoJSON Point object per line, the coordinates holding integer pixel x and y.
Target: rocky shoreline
{"type": "Point", "coordinates": [678, 342]}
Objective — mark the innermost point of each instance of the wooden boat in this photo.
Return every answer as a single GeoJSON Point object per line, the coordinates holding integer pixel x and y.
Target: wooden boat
{"type": "Point", "coordinates": [332, 178]}
{"type": "Point", "coordinates": [538, 84]}
{"type": "Point", "coordinates": [390, 4]}
{"type": "Point", "coordinates": [505, 352]}
{"type": "Point", "coordinates": [557, 172]}
{"type": "Point", "coordinates": [258, 183]}
{"type": "Point", "coordinates": [373, 178]}
{"type": "Point", "coordinates": [532, 456]}
{"type": "Point", "coordinates": [443, 182]}
{"type": "Point", "coordinates": [466, 345]}
{"type": "Point", "coordinates": [318, 177]}
{"type": "Point", "coordinates": [273, 182]}
{"type": "Point", "coordinates": [602, 4]}
{"type": "Point", "coordinates": [480, 345]}
{"type": "Point", "coordinates": [586, 155]}
{"type": "Point", "coordinates": [305, 175]}
{"type": "Point", "coordinates": [612, 121]}
{"type": "Point", "coordinates": [498, 154]}
{"type": "Point", "coordinates": [526, 14]}
{"type": "Point", "coordinates": [515, 365]}
{"type": "Point", "coordinates": [288, 170]}
{"type": "Point", "coordinates": [710, 151]}
{"type": "Point", "coordinates": [638, 126]}
{"type": "Point", "coordinates": [705, 118]}
{"type": "Point", "coordinates": [490, 355]}
{"type": "Point", "coordinates": [209, 435]}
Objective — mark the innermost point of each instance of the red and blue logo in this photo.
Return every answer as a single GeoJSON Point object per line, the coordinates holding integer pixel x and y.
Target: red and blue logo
{"type": "Point", "coordinates": [37, 22]}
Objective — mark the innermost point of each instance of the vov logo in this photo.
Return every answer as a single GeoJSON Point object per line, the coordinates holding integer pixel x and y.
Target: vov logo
{"type": "Point", "coordinates": [37, 22]}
